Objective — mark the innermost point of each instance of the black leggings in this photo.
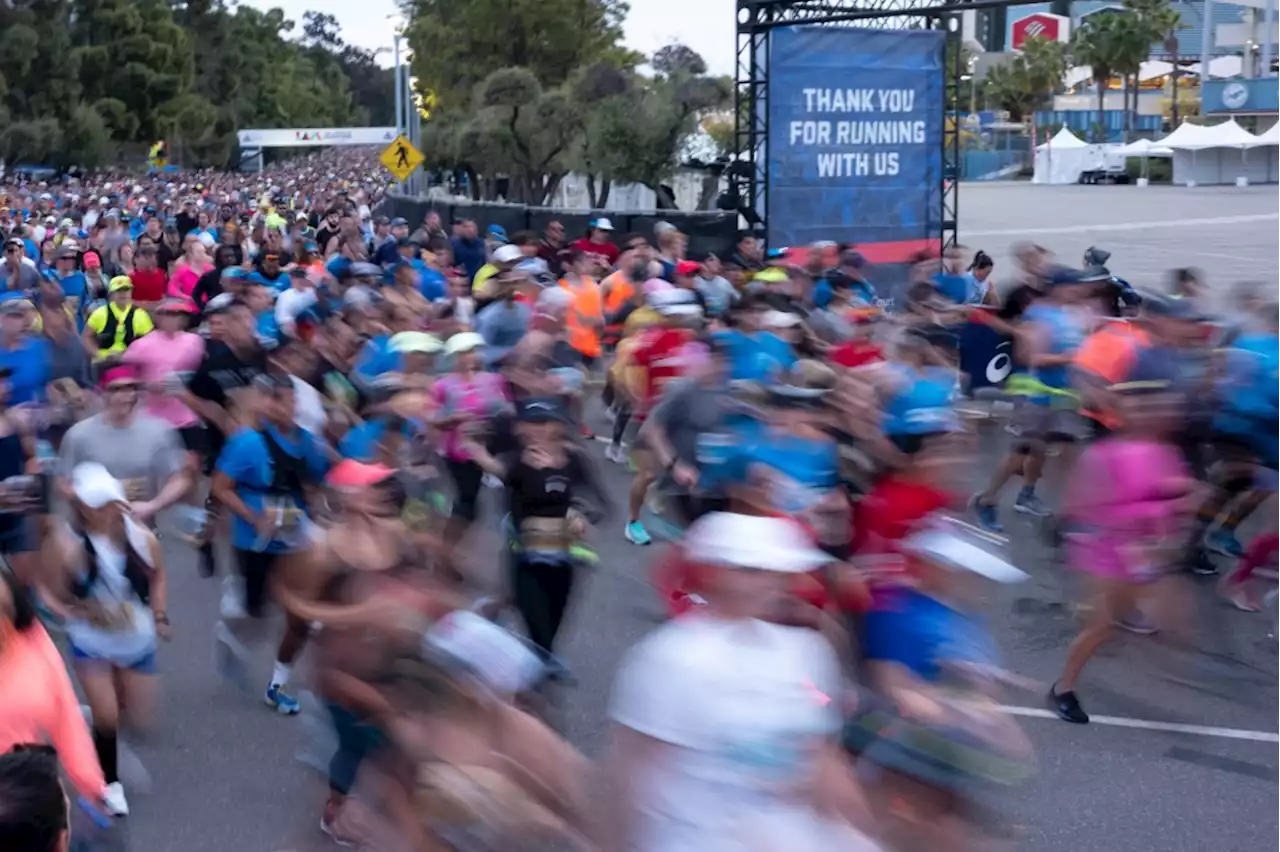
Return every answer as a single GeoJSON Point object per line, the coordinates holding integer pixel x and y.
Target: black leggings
{"type": "Point", "coordinates": [255, 567]}
{"type": "Point", "coordinates": [467, 477]}
{"type": "Point", "coordinates": [541, 593]}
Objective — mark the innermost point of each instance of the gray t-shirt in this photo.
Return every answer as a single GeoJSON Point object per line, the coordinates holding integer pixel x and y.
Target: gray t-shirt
{"type": "Point", "coordinates": [143, 455]}
{"type": "Point", "coordinates": [688, 411]}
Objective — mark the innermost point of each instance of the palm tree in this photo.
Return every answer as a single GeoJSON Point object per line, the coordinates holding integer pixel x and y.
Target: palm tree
{"type": "Point", "coordinates": [1101, 43]}
{"type": "Point", "coordinates": [1161, 22]}
{"type": "Point", "coordinates": [1028, 80]}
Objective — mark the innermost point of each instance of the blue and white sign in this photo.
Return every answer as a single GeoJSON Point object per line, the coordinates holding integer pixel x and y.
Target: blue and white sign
{"type": "Point", "coordinates": [855, 135]}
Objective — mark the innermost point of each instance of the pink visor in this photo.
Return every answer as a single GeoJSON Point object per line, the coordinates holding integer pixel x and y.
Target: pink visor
{"type": "Point", "coordinates": [352, 475]}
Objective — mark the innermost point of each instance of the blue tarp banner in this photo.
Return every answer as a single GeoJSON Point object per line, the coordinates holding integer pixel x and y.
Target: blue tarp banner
{"type": "Point", "coordinates": [855, 138]}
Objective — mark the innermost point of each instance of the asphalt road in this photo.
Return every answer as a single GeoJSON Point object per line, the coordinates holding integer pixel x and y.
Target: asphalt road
{"type": "Point", "coordinates": [222, 768]}
{"type": "Point", "coordinates": [223, 774]}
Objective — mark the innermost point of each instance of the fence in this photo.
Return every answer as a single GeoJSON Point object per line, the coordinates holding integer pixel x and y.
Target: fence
{"type": "Point", "coordinates": [707, 231]}
{"type": "Point", "coordinates": [988, 165]}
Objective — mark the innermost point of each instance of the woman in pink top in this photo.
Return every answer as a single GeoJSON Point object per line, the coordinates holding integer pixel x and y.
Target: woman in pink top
{"type": "Point", "coordinates": [467, 400]}
{"type": "Point", "coordinates": [188, 269]}
{"type": "Point", "coordinates": [39, 705]}
{"type": "Point", "coordinates": [1125, 506]}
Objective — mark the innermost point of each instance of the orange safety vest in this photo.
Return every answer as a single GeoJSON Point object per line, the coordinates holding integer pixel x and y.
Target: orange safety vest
{"type": "Point", "coordinates": [586, 307]}
{"type": "Point", "coordinates": [620, 291]}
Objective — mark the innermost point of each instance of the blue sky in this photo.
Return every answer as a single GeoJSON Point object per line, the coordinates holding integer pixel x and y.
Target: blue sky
{"type": "Point", "coordinates": [704, 25]}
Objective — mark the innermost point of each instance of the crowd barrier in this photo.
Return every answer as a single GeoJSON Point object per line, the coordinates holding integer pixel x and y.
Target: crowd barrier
{"type": "Point", "coordinates": [707, 230]}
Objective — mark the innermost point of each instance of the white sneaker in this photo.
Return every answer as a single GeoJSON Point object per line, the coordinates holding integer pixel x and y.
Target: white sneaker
{"type": "Point", "coordinates": [232, 604]}
{"type": "Point", "coordinates": [615, 453]}
{"type": "Point", "coordinates": [114, 800]}
{"type": "Point", "coordinates": [491, 481]}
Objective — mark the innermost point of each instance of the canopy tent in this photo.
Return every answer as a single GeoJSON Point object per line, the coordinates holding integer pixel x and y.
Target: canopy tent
{"type": "Point", "coordinates": [1065, 157]}
{"type": "Point", "coordinates": [1271, 137]}
{"type": "Point", "coordinates": [1222, 66]}
{"type": "Point", "coordinates": [1208, 155]}
{"type": "Point", "coordinates": [1144, 148]}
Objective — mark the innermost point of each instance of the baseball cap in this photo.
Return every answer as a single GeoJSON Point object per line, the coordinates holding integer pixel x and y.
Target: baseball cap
{"type": "Point", "coordinates": [687, 267]}
{"type": "Point", "coordinates": [602, 224]}
{"type": "Point", "coordinates": [120, 282]}
{"type": "Point", "coordinates": [497, 232]}
{"type": "Point", "coordinates": [92, 261]}
{"type": "Point", "coordinates": [398, 222]}
{"type": "Point", "coordinates": [415, 341]}
{"type": "Point", "coordinates": [463, 342]}
{"type": "Point", "coordinates": [541, 410]}
{"type": "Point", "coordinates": [175, 305]}
{"type": "Point", "coordinates": [95, 487]}
{"type": "Point", "coordinates": [14, 305]}
{"type": "Point", "coordinates": [507, 254]}
{"type": "Point", "coordinates": [351, 475]}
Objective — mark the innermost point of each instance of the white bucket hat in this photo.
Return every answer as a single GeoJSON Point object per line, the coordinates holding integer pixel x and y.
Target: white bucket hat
{"type": "Point", "coordinates": [751, 541]}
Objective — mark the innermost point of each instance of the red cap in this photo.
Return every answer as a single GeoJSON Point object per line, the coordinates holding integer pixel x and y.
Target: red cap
{"type": "Point", "coordinates": [686, 267]}
{"type": "Point", "coordinates": [92, 261]}
{"type": "Point", "coordinates": [119, 373]}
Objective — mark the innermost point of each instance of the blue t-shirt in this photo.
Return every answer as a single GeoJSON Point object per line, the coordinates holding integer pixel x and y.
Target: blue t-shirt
{"type": "Point", "coordinates": [921, 633]}
{"type": "Point", "coordinates": [431, 283]}
{"type": "Point", "coordinates": [755, 357]}
{"type": "Point", "coordinates": [247, 462]}
{"type": "Point", "coordinates": [29, 363]}
{"type": "Point", "coordinates": [922, 404]}
{"type": "Point", "coordinates": [376, 358]}
{"type": "Point", "coordinates": [1066, 333]}
{"type": "Point", "coordinates": [74, 287]}
{"type": "Point", "coordinates": [804, 469]}
{"type": "Point", "coordinates": [280, 283]}
{"type": "Point", "coordinates": [953, 287]}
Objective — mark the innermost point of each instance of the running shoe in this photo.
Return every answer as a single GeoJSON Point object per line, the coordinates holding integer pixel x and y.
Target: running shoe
{"type": "Point", "coordinates": [1202, 565]}
{"type": "Point", "coordinates": [1067, 706]}
{"type": "Point", "coordinates": [284, 703]}
{"type": "Point", "coordinates": [328, 824]}
{"type": "Point", "coordinates": [585, 431]}
{"type": "Point", "coordinates": [1224, 543]}
{"type": "Point", "coordinates": [988, 517]}
{"type": "Point", "coordinates": [1029, 504]}
{"type": "Point", "coordinates": [231, 606]}
{"type": "Point", "coordinates": [615, 453]}
{"type": "Point", "coordinates": [636, 533]}
{"type": "Point", "coordinates": [113, 800]}
{"type": "Point", "coordinates": [1137, 623]}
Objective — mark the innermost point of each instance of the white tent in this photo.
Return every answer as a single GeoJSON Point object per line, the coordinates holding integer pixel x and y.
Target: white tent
{"type": "Point", "coordinates": [1144, 148]}
{"type": "Point", "coordinates": [1224, 153]}
{"type": "Point", "coordinates": [1154, 68]}
{"type": "Point", "coordinates": [1222, 66]}
{"type": "Point", "coordinates": [1065, 157]}
{"type": "Point", "coordinates": [1271, 137]}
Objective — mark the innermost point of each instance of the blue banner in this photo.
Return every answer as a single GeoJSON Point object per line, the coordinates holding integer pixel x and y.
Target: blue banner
{"type": "Point", "coordinates": [855, 138]}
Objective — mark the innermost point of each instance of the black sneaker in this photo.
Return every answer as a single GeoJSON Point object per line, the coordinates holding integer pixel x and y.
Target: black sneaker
{"type": "Point", "coordinates": [1067, 706]}
{"type": "Point", "coordinates": [1203, 566]}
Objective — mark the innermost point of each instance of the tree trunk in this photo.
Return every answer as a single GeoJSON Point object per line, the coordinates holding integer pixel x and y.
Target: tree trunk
{"type": "Point", "coordinates": [1173, 107]}
{"type": "Point", "coordinates": [605, 186]}
{"type": "Point", "coordinates": [1101, 130]}
{"type": "Point", "coordinates": [1130, 93]}
{"type": "Point", "coordinates": [552, 185]}
{"type": "Point", "coordinates": [473, 183]}
{"type": "Point", "coordinates": [591, 191]}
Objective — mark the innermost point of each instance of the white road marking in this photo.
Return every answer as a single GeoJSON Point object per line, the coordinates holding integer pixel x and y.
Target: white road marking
{"type": "Point", "coordinates": [1128, 226]}
{"type": "Point", "coordinates": [1148, 725]}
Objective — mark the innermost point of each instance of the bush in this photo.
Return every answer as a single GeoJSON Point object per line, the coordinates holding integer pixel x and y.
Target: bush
{"type": "Point", "coordinates": [1159, 169]}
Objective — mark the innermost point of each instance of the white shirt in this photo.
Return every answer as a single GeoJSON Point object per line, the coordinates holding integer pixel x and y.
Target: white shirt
{"type": "Point", "coordinates": [746, 708]}
{"type": "Point", "coordinates": [290, 303]}
{"type": "Point", "coordinates": [308, 407]}
{"type": "Point", "coordinates": [130, 634]}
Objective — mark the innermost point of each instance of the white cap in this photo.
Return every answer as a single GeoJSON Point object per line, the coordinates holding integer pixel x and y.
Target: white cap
{"type": "Point", "coordinates": [507, 254]}
{"type": "Point", "coordinates": [415, 341]}
{"type": "Point", "coordinates": [94, 486]}
{"type": "Point", "coordinates": [494, 656]}
{"type": "Point", "coordinates": [207, 240]}
{"type": "Point", "coordinates": [104, 200]}
{"type": "Point", "coordinates": [603, 224]}
{"type": "Point", "coordinates": [463, 342]}
{"type": "Point", "coordinates": [780, 319]}
{"type": "Point", "coordinates": [751, 541]}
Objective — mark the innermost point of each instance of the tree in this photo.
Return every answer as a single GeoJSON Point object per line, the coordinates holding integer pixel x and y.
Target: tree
{"type": "Point", "coordinates": [1028, 80]}
{"type": "Point", "coordinates": [1110, 42]}
{"type": "Point", "coordinates": [457, 44]}
{"type": "Point", "coordinates": [1161, 22]}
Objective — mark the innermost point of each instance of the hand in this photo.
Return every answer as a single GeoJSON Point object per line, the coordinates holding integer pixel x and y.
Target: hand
{"type": "Point", "coordinates": [686, 476]}
{"type": "Point", "coordinates": [577, 525]}
{"type": "Point", "coordinates": [163, 629]}
{"type": "Point", "coordinates": [264, 527]}
{"type": "Point", "coordinates": [142, 512]}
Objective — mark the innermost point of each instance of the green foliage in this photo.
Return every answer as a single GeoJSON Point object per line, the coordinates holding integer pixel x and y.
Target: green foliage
{"type": "Point", "coordinates": [1028, 80]}
{"type": "Point", "coordinates": [1113, 43]}
{"type": "Point", "coordinates": [79, 77]}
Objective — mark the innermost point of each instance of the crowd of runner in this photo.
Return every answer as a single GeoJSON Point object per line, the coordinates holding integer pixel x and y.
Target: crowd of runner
{"type": "Point", "coordinates": [313, 397]}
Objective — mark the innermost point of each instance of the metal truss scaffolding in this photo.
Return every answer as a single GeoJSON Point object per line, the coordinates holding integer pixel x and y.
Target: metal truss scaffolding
{"type": "Point", "coordinates": [758, 18]}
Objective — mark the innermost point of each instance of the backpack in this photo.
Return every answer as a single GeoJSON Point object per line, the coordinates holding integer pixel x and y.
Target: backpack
{"type": "Point", "coordinates": [107, 337]}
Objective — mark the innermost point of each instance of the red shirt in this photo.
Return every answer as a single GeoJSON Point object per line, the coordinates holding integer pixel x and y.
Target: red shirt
{"type": "Point", "coordinates": [891, 511]}
{"type": "Point", "coordinates": [149, 285]}
{"type": "Point", "coordinates": [660, 353]}
{"type": "Point", "coordinates": [856, 353]}
{"type": "Point", "coordinates": [607, 251]}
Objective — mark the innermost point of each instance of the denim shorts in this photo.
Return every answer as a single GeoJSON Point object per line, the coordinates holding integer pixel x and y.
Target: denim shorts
{"type": "Point", "coordinates": [145, 665]}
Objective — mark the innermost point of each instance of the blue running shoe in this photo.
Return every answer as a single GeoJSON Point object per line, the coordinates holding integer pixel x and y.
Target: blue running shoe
{"type": "Point", "coordinates": [988, 517]}
{"type": "Point", "coordinates": [1224, 543]}
{"type": "Point", "coordinates": [636, 533]}
{"type": "Point", "coordinates": [284, 703]}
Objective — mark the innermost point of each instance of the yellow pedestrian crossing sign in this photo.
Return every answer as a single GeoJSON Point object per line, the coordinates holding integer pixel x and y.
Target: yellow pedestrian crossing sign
{"type": "Point", "coordinates": [401, 158]}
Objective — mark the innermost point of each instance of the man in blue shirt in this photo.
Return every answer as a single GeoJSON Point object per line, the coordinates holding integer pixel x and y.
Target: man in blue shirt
{"type": "Point", "coordinates": [70, 279]}
{"type": "Point", "coordinates": [25, 356]}
{"type": "Point", "coordinates": [468, 248]}
{"type": "Point", "coordinates": [260, 477]}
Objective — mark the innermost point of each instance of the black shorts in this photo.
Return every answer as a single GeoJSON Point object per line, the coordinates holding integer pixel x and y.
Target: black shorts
{"type": "Point", "coordinates": [255, 568]}
{"type": "Point", "coordinates": [195, 439]}
{"type": "Point", "coordinates": [467, 478]}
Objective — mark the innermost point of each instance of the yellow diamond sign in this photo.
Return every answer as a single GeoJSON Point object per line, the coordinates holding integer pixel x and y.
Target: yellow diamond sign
{"type": "Point", "coordinates": [401, 158]}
